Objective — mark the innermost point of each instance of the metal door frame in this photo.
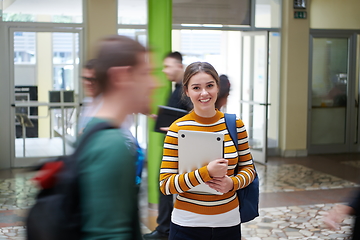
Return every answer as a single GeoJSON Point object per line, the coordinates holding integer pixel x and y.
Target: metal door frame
{"type": "Point", "coordinates": [351, 119]}
{"type": "Point", "coordinates": [258, 156]}
{"type": "Point", "coordinates": [27, 161]}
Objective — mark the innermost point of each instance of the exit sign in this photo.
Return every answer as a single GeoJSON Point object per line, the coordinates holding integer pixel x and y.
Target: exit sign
{"type": "Point", "coordinates": [300, 14]}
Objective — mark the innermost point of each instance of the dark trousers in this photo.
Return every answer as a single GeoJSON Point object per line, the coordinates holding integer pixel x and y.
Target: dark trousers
{"type": "Point", "coordinates": [356, 230]}
{"type": "Point", "coordinates": [166, 205]}
{"type": "Point", "coordinates": [204, 233]}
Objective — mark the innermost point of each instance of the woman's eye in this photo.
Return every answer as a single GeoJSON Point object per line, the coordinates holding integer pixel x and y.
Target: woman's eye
{"type": "Point", "coordinates": [210, 85]}
{"type": "Point", "coordinates": [195, 88]}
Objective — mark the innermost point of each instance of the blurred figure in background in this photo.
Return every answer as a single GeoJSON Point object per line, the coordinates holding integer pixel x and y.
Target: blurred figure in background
{"type": "Point", "coordinates": [224, 85]}
{"type": "Point", "coordinates": [339, 212]}
{"type": "Point", "coordinates": [88, 78]}
{"type": "Point", "coordinates": [90, 89]}
{"type": "Point", "coordinates": [174, 71]}
{"type": "Point", "coordinates": [108, 193]}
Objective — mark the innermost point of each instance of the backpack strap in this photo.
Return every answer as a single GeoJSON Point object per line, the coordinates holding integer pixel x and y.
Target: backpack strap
{"type": "Point", "coordinates": [230, 121]}
{"type": "Point", "coordinates": [87, 134]}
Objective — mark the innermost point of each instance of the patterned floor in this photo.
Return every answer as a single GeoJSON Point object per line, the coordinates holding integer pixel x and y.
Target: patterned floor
{"type": "Point", "coordinates": [295, 222]}
{"type": "Point", "coordinates": [280, 176]}
{"type": "Point", "coordinates": [294, 177]}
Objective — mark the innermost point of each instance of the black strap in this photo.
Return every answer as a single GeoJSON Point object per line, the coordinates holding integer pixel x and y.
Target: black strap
{"type": "Point", "coordinates": [87, 134]}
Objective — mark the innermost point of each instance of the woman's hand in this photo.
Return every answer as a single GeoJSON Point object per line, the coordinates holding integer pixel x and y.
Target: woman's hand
{"type": "Point", "coordinates": [218, 167]}
{"type": "Point", "coordinates": [221, 184]}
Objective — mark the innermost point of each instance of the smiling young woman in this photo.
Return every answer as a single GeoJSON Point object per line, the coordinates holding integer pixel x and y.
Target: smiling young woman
{"type": "Point", "coordinates": [202, 90]}
{"type": "Point", "coordinates": [197, 215]}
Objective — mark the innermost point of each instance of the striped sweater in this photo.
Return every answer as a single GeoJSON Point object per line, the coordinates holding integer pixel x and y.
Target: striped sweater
{"type": "Point", "coordinates": [171, 182]}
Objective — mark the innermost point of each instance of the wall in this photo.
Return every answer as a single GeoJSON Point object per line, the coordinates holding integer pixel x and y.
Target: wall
{"type": "Point", "coordinates": [44, 78]}
{"type": "Point", "coordinates": [294, 83]}
{"type": "Point", "coordinates": [334, 14]}
{"type": "Point", "coordinates": [101, 21]}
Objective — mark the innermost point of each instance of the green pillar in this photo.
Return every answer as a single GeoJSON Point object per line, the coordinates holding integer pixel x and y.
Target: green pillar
{"type": "Point", "coordinates": [159, 37]}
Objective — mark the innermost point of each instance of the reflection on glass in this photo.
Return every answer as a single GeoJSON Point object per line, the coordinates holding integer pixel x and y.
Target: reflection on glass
{"type": "Point", "coordinates": [246, 62]}
{"type": "Point", "coordinates": [65, 60]}
{"type": "Point", "coordinates": [44, 11]}
{"type": "Point", "coordinates": [253, 118]}
{"type": "Point", "coordinates": [267, 13]}
{"type": "Point", "coordinates": [260, 61]}
{"type": "Point", "coordinates": [65, 48]}
{"type": "Point", "coordinates": [273, 90]}
{"type": "Point", "coordinates": [24, 47]}
{"type": "Point", "coordinates": [329, 90]}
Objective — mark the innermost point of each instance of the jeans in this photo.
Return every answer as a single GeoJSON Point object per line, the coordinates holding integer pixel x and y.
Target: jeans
{"type": "Point", "coordinates": [204, 233]}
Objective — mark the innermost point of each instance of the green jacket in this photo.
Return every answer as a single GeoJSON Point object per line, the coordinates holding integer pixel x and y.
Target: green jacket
{"type": "Point", "coordinates": [109, 199]}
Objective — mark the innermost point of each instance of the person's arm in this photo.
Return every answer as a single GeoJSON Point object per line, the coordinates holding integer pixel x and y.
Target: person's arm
{"type": "Point", "coordinates": [340, 211]}
{"type": "Point", "coordinates": [336, 215]}
{"type": "Point", "coordinates": [171, 182]}
{"type": "Point", "coordinates": [246, 171]}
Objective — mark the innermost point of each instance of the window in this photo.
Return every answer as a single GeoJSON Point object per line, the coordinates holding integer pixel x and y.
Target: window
{"type": "Point", "coordinates": [43, 11]}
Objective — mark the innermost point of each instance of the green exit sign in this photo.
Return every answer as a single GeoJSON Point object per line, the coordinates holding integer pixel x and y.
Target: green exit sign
{"type": "Point", "coordinates": [300, 14]}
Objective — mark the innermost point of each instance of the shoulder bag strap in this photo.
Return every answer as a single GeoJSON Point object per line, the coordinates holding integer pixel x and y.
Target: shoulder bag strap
{"type": "Point", "coordinates": [86, 136]}
{"type": "Point", "coordinates": [230, 121]}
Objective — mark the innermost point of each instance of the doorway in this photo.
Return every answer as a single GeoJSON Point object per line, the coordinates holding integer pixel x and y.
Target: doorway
{"type": "Point", "coordinates": [333, 93]}
{"type": "Point", "coordinates": [259, 95]}
{"type": "Point", "coordinates": [45, 92]}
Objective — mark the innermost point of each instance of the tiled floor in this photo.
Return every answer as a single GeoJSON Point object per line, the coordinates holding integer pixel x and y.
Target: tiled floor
{"type": "Point", "coordinates": [295, 195]}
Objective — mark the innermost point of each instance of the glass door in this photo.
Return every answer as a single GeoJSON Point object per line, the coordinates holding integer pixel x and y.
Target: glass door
{"type": "Point", "coordinates": [46, 93]}
{"type": "Point", "coordinates": [254, 91]}
{"type": "Point", "coordinates": [333, 117]}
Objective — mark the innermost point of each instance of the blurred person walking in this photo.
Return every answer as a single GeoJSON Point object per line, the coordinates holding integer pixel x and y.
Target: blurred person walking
{"type": "Point", "coordinates": [108, 193]}
{"type": "Point", "coordinates": [93, 102]}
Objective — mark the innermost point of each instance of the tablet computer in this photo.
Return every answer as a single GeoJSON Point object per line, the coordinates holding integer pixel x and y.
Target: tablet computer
{"type": "Point", "coordinates": [166, 116]}
{"type": "Point", "coordinates": [197, 149]}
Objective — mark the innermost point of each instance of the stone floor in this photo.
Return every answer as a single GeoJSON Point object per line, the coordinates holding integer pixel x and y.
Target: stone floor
{"type": "Point", "coordinates": [295, 195]}
{"type": "Point", "coordinates": [294, 222]}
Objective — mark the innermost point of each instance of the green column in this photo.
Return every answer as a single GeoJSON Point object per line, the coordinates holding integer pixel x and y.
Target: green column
{"type": "Point", "coordinates": [159, 37]}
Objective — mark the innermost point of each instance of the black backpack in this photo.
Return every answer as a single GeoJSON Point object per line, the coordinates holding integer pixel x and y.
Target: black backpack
{"type": "Point", "coordinates": [56, 213]}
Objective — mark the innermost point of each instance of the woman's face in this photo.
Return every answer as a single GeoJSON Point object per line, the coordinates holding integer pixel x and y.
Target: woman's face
{"type": "Point", "coordinates": [202, 91]}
